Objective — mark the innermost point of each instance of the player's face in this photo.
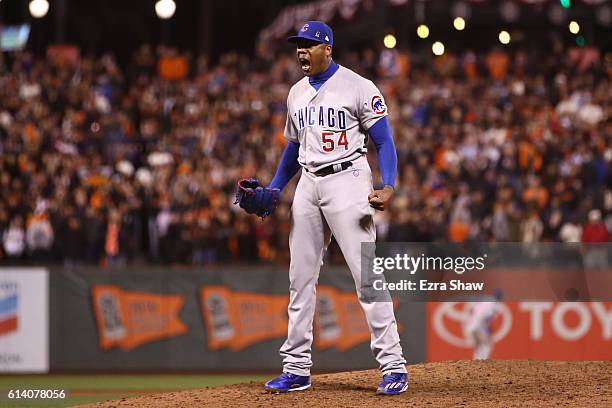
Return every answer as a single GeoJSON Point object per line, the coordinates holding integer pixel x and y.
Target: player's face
{"type": "Point", "coordinates": [313, 56]}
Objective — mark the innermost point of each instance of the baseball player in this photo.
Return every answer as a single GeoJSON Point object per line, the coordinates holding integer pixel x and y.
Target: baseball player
{"type": "Point", "coordinates": [479, 328]}
{"type": "Point", "coordinates": [331, 113]}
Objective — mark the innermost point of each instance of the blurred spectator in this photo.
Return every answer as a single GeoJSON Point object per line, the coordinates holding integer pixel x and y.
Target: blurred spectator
{"type": "Point", "coordinates": [497, 63]}
{"type": "Point", "coordinates": [114, 245]}
{"type": "Point", "coordinates": [531, 227]}
{"type": "Point", "coordinates": [595, 232]}
{"type": "Point", "coordinates": [570, 232]}
{"type": "Point", "coordinates": [500, 229]}
{"type": "Point", "coordinates": [13, 239]}
{"type": "Point", "coordinates": [171, 65]}
{"type": "Point", "coordinates": [39, 234]}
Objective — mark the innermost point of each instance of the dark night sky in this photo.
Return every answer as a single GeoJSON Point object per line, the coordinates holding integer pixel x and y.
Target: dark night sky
{"type": "Point", "coordinates": [123, 25]}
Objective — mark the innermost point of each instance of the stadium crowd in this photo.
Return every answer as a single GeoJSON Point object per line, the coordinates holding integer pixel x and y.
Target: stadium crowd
{"type": "Point", "coordinates": [103, 165]}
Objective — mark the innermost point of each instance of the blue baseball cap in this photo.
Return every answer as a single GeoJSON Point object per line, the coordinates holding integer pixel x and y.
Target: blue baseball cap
{"type": "Point", "coordinates": [315, 31]}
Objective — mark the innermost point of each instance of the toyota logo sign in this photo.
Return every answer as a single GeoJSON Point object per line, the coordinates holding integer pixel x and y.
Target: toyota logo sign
{"type": "Point", "coordinates": [459, 312]}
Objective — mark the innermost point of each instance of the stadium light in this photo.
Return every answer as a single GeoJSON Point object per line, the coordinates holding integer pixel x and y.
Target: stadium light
{"type": "Point", "coordinates": [574, 27]}
{"type": "Point", "coordinates": [165, 8]}
{"type": "Point", "coordinates": [504, 37]}
{"type": "Point", "coordinates": [459, 23]}
{"type": "Point", "coordinates": [38, 8]}
{"type": "Point", "coordinates": [423, 31]}
{"type": "Point", "coordinates": [437, 48]}
{"type": "Point", "coordinates": [390, 41]}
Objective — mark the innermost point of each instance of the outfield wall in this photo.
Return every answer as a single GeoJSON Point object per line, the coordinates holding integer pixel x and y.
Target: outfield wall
{"type": "Point", "coordinates": [227, 319]}
{"type": "Point", "coordinates": [234, 319]}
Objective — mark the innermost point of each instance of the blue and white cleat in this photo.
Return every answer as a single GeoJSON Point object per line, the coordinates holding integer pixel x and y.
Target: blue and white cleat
{"type": "Point", "coordinates": [288, 382]}
{"type": "Point", "coordinates": [393, 384]}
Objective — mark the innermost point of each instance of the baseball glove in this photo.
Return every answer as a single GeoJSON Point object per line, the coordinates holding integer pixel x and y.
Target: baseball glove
{"type": "Point", "coordinates": [256, 199]}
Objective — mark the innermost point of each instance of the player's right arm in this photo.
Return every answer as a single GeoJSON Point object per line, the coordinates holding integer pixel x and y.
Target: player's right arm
{"type": "Point", "coordinates": [287, 167]}
{"type": "Point", "coordinates": [289, 164]}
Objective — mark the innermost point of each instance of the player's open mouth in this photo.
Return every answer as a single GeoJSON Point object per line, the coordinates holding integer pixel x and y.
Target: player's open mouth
{"type": "Point", "coordinates": [304, 63]}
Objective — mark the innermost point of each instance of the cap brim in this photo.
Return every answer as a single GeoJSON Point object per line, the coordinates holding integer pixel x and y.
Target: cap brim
{"type": "Point", "coordinates": [295, 38]}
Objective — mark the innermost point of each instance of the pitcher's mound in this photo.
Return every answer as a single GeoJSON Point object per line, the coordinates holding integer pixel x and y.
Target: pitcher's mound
{"type": "Point", "coordinates": [504, 383]}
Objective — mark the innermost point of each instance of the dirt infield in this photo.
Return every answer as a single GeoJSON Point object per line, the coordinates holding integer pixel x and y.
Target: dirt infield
{"type": "Point", "coordinates": [509, 383]}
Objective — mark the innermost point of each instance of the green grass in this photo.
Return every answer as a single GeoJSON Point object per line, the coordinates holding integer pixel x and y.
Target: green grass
{"type": "Point", "coordinates": [83, 389]}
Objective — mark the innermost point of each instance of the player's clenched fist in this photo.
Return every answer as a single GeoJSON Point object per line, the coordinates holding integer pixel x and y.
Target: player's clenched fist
{"type": "Point", "coordinates": [379, 198]}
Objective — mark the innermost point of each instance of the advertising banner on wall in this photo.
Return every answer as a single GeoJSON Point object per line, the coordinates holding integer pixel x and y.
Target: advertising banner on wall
{"type": "Point", "coordinates": [238, 319]}
{"type": "Point", "coordinates": [522, 330]}
{"type": "Point", "coordinates": [24, 320]}
{"type": "Point", "coordinates": [128, 319]}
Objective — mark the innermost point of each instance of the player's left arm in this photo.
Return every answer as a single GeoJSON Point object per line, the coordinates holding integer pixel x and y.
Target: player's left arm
{"type": "Point", "coordinates": [373, 113]}
{"type": "Point", "coordinates": [381, 135]}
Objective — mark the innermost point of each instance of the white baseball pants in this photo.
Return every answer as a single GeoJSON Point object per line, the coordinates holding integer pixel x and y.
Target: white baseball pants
{"type": "Point", "coordinates": [336, 205]}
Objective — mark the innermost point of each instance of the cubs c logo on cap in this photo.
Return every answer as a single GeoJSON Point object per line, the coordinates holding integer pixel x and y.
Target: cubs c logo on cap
{"type": "Point", "coordinates": [378, 106]}
{"type": "Point", "coordinates": [314, 31]}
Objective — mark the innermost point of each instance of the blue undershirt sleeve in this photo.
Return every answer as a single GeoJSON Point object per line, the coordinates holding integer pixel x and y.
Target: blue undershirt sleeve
{"type": "Point", "coordinates": [380, 132]}
{"type": "Point", "coordinates": [287, 167]}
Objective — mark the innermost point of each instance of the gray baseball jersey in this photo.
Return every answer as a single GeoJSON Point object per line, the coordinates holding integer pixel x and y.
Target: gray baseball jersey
{"type": "Point", "coordinates": [331, 126]}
